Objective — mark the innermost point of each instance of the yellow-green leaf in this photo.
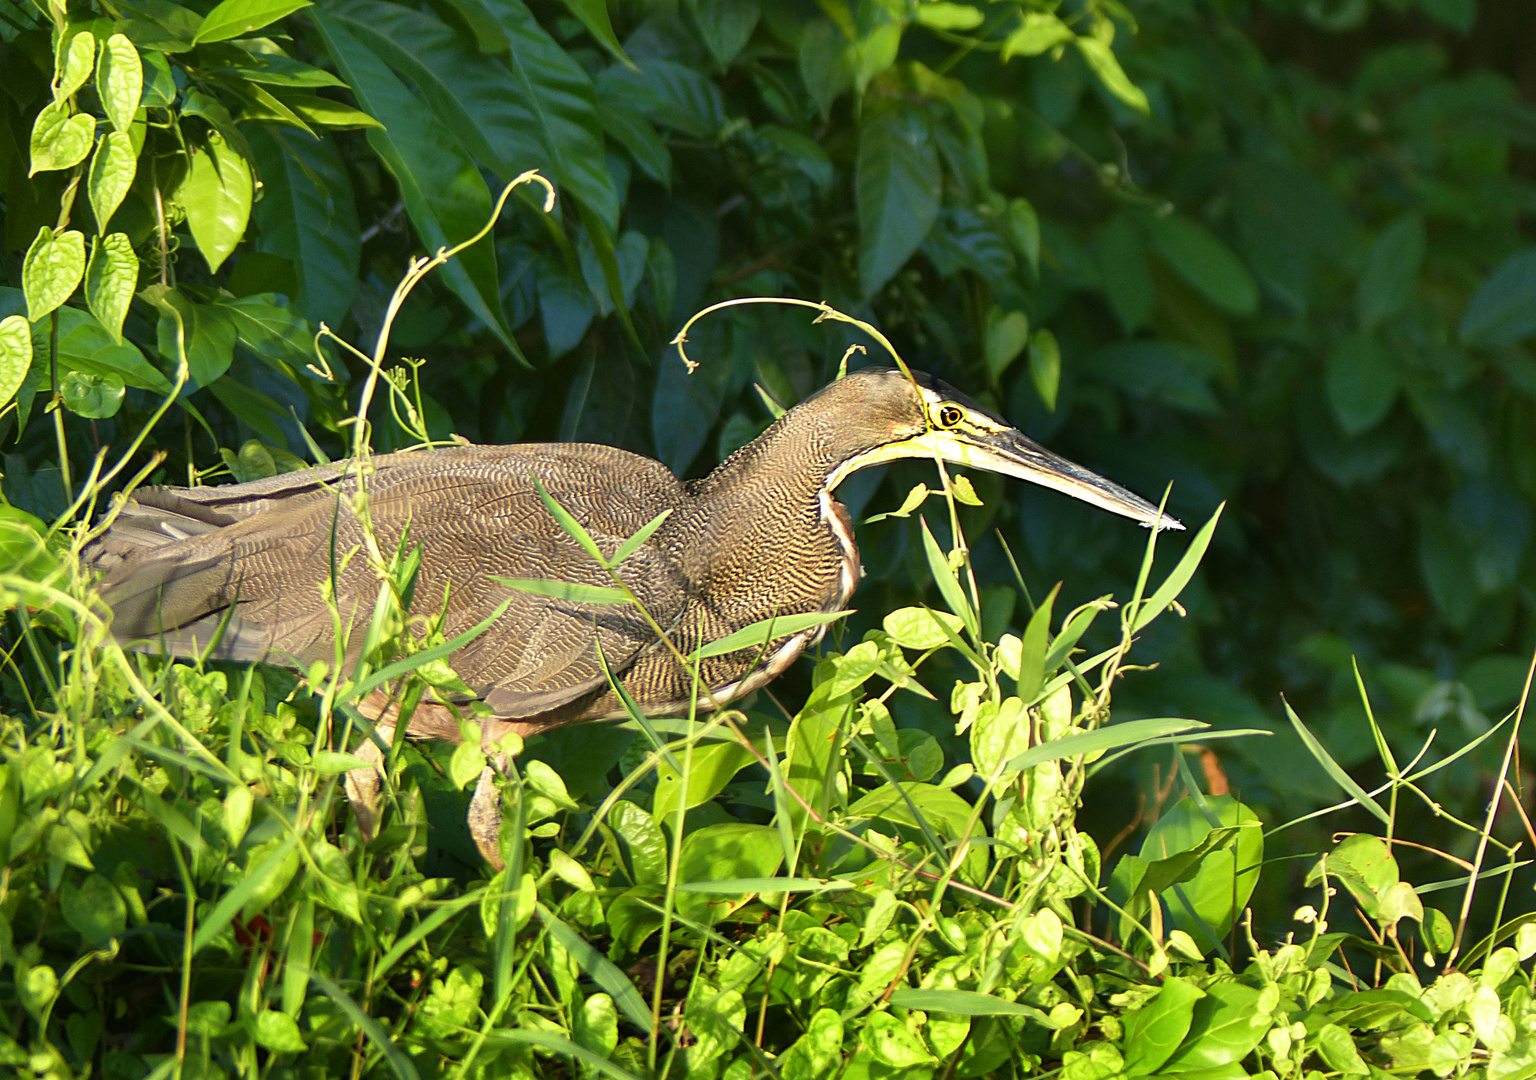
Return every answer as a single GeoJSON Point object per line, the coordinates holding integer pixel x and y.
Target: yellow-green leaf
{"type": "Point", "coordinates": [59, 140]}
{"type": "Point", "coordinates": [120, 81]}
{"type": "Point", "coordinates": [15, 355]}
{"type": "Point", "coordinates": [216, 195]}
{"type": "Point", "coordinates": [112, 172]}
{"type": "Point", "coordinates": [1040, 32]}
{"type": "Point", "coordinates": [74, 65]}
{"type": "Point", "coordinates": [236, 18]}
{"type": "Point", "coordinates": [110, 279]}
{"type": "Point", "coordinates": [53, 267]}
{"type": "Point", "coordinates": [1101, 58]}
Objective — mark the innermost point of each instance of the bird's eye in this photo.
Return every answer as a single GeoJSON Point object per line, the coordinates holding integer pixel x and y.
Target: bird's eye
{"type": "Point", "coordinates": [950, 416]}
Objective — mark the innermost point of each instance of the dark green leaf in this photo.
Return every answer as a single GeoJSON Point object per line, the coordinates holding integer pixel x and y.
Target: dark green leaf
{"type": "Point", "coordinates": [1388, 281]}
{"type": "Point", "coordinates": [1204, 261]}
{"type": "Point", "coordinates": [94, 396]}
{"type": "Point", "coordinates": [1363, 380]}
{"type": "Point", "coordinates": [1227, 1025]}
{"type": "Point", "coordinates": [897, 186]}
{"type": "Point", "coordinates": [1503, 310]}
{"type": "Point", "coordinates": [725, 26]}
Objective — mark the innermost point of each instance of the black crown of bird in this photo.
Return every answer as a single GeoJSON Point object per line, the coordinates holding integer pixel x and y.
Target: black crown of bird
{"type": "Point", "coordinates": [245, 566]}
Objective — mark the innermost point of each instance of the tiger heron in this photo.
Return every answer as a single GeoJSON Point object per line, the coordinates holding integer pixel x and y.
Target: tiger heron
{"type": "Point", "coordinates": [762, 536]}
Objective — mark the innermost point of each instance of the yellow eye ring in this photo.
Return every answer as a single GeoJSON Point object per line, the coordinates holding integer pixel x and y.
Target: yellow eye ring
{"type": "Point", "coordinates": [950, 416]}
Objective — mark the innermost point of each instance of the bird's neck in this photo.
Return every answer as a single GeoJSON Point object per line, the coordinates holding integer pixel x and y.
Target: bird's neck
{"type": "Point", "coordinates": [787, 465]}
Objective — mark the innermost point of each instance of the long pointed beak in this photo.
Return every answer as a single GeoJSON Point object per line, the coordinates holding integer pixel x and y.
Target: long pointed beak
{"type": "Point", "coordinates": [1009, 452]}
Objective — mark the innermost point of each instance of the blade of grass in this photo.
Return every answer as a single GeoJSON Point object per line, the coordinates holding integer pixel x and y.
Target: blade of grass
{"type": "Point", "coordinates": [231, 902]}
{"type": "Point", "coordinates": [1106, 738]}
{"type": "Point", "coordinates": [632, 545]}
{"type": "Point", "coordinates": [1032, 653]}
{"type": "Point", "coordinates": [634, 712]}
{"type": "Point", "coordinates": [398, 1063]}
{"type": "Point", "coordinates": [566, 590]}
{"type": "Point", "coordinates": [783, 814]}
{"type": "Point", "coordinates": [739, 886]}
{"type": "Point", "coordinates": [760, 633]}
{"type": "Point", "coordinates": [560, 1045]}
{"type": "Point", "coordinates": [944, 578]}
{"type": "Point", "coordinates": [406, 665]}
{"type": "Point", "coordinates": [1333, 769]}
{"type": "Point", "coordinates": [602, 970]}
{"type": "Point", "coordinates": [573, 528]}
{"type": "Point", "coordinates": [1174, 583]}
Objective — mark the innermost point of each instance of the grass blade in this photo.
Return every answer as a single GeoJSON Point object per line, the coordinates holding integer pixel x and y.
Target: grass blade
{"type": "Point", "coordinates": [1333, 769]}
{"type": "Point", "coordinates": [566, 590]}
{"type": "Point", "coordinates": [633, 709]}
{"type": "Point", "coordinates": [1176, 740]}
{"type": "Point", "coordinates": [632, 545]}
{"type": "Point", "coordinates": [560, 1045]}
{"type": "Point", "coordinates": [1032, 654]}
{"type": "Point", "coordinates": [407, 664]}
{"type": "Point", "coordinates": [944, 578]}
{"type": "Point", "coordinates": [783, 813]}
{"type": "Point", "coordinates": [961, 1003]}
{"type": "Point", "coordinates": [1106, 738]}
{"type": "Point", "coordinates": [602, 970]}
{"type": "Point", "coordinates": [740, 886]}
{"type": "Point", "coordinates": [410, 940]}
{"type": "Point", "coordinates": [1174, 583]}
{"type": "Point", "coordinates": [763, 631]}
{"type": "Point", "coordinates": [231, 902]}
{"type": "Point", "coordinates": [573, 528]}
{"type": "Point", "coordinates": [398, 1063]}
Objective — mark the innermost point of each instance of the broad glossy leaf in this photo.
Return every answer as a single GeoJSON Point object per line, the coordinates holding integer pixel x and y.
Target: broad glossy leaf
{"type": "Point", "coordinates": [1204, 261]}
{"type": "Point", "coordinates": [307, 215]}
{"type": "Point", "coordinates": [891, 1042]}
{"type": "Point", "coordinates": [1362, 382]}
{"type": "Point", "coordinates": [15, 355]}
{"type": "Point", "coordinates": [96, 397]}
{"type": "Point", "coordinates": [120, 81]}
{"type": "Point", "coordinates": [622, 120]}
{"type": "Point", "coordinates": [826, 63]}
{"type": "Point", "coordinates": [725, 26]}
{"type": "Point", "coordinates": [216, 194]}
{"type": "Point", "coordinates": [1227, 1025]}
{"type": "Point", "coordinates": [897, 187]}
{"type": "Point", "coordinates": [112, 172]}
{"type": "Point", "coordinates": [686, 406]}
{"type": "Point", "coordinates": [1154, 1031]}
{"type": "Point", "coordinates": [110, 279]}
{"type": "Point", "coordinates": [206, 332]}
{"type": "Point", "coordinates": [1503, 310]}
{"type": "Point", "coordinates": [53, 266]}
{"type": "Point", "coordinates": [1365, 865]}
{"type": "Point", "coordinates": [720, 852]}
{"type": "Point", "coordinates": [86, 345]}
{"type": "Point", "coordinates": [60, 140]}
{"type": "Point", "coordinates": [1221, 887]}
{"type": "Point", "coordinates": [75, 61]}
{"type": "Point", "coordinates": [1388, 281]}
{"type": "Point", "coordinates": [541, 112]}
{"type": "Point", "coordinates": [670, 94]}
{"type": "Point", "coordinates": [237, 18]}
{"type": "Point", "coordinates": [443, 191]}
{"type": "Point", "coordinates": [710, 767]}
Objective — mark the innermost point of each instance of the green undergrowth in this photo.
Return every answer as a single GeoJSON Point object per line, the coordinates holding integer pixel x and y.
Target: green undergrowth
{"type": "Point", "coordinates": [828, 895]}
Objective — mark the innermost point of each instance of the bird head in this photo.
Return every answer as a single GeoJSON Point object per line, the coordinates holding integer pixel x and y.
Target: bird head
{"type": "Point", "coordinates": [882, 414]}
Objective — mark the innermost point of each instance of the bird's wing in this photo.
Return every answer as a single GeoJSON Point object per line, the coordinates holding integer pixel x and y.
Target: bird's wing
{"type": "Point", "coordinates": [475, 515]}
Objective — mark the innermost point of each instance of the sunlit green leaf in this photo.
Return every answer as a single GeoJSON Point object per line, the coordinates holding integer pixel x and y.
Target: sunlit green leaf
{"type": "Point", "coordinates": [110, 279]}
{"type": "Point", "coordinates": [237, 18]}
{"type": "Point", "coordinates": [112, 171]}
{"type": "Point", "coordinates": [120, 81]}
{"type": "Point", "coordinates": [53, 267]}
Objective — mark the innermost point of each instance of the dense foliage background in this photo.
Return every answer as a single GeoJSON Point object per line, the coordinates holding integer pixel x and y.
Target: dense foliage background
{"type": "Point", "coordinates": [1275, 252]}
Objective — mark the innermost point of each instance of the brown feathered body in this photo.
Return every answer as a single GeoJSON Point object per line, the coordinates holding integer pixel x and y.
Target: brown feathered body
{"type": "Point", "coordinates": [761, 536]}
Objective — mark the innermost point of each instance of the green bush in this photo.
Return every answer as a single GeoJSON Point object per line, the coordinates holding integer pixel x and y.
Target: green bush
{"type": "Point", "coordinates": [1271, 250]}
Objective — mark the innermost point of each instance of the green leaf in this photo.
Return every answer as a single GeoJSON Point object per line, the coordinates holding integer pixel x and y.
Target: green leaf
{"type": "Point", "coordinates": [826, 63]}
{"type": "Point", "coordinates": [897, 185]}
{"type": "Point", "coordinates": [1227, 1025]}
{"type": "Point", "coordinates": [945, 16]}
{"type": "Point", "coordinates": [594, 16]}
{"type": "Point", "coordinates": [892, 1043]}
{"type": "Point", "coordinates": [1174, 583]}
{"type": "Point", "coordinates": [279, 1033]}
{"type": "Point", "coordinates": [744, 886]}
{"type": "Point", "coordinates": [569, 591]}
{"type": "Point", "coordinates": [1503, 310]}
{"type": "Point", "coordinates": [1101, 58]}
{"type": "Point", "coordinates": [1033, 647]}
{"type": "Point", "coordinates": [53, 266]}
{"type": "Point", "coordinates": [541, 112]}
{"type": "Point", "coordinates": [921, 627]}
{"type": "Point", "coordinates": [60, 140]}
{"type": "Point", "coordinates": [120, 81]}
{"type": "Point", "coordinates": [725, 26]}
{"type": "Point", "coordinates": [110, 279]}
{"type": "Point", "coordinates": [95, 909]}
{"type": "Point", "coordinates": [945, 579]}
{"type": "Point", "coordinates": [1105, 738]}
{"type": "Point", "coordinates": [671, 94]}
{"type": "Point", "coordinates": [1365, 865]}
{"type": "Point", "coordinates": [1220, 888]}
{"type": "Point", "coordinates": [960, 1003]}
{"type": "Point", "coordinates": [112, 172]}
{"type": "Point", "coordinates": [1154, 1031]}
{"type": "Point", "coordinates": [1045, 366]}
{"type": "Point", "coordinates": [1007, 335]}
{"type": "Point", "coordinates": [207, 332]}
{"type": "Point", "coordinates": [1124, 272]}
{"type": "Point", "coordinates": [635, 542]}
{"type": "Point", "coordinates": [1038, 33]}
{"type": "Point", "coordinates": [216, 194]}
{"type": "Point", "coordinates": [1203, 260]}
{"type": "Point", "coordinates": [1388, 281]}
{"type": "Point", "coordinates": [15, 355]}
{"type": "Point", "coordinates": [1022, 227]}
{"type": "Point", "coordinates": [324, 111]}
{"type": "Point", "coordinates": [721, 852]}
{"type": "Point", "coordinates": [96, 397]}
{"type": "Point", "coordinates": [759, 634]}
{"type": "Point", "coordinates": [1333, 769]}
{"type": "Point", "coordinates": [237, 18]}
{"type": "Point", "coordinates": [74, 65]}
{"type": "Point", "coordinates": [443, 191]}
{"type": "Point", "coordinates": [307, 215]}
{"type": "Point", "coordinates": [1362, 382]}
{"type": "Point", "coordinates": [599, 968]}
